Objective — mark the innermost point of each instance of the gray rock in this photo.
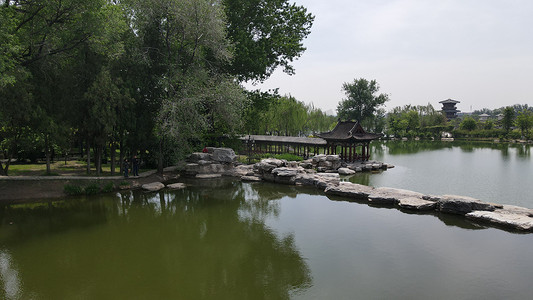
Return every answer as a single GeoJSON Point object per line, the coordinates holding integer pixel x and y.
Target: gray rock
{"type": "Point", "coordinates": [208, 176]}
{"type": "Point", "coordinates": [346, 171]}
{"type": "Point", "coordinates": [242, 170]}
{"type": "Point", "coordinates": [348, 189]}
{"type": "Point", "coordinates": [251, 178]}
{"type": "Point", "coordinates": [225, 155]}
{"type": "Point", "coordinates": [319, 180]}
{"type": "Point", "coordinates": [286, 172]}
{"type": "Point", "coordinates": [197, 156]}
{"type": "Point", "coordinates": [386, 195]}
{"type": "Point", "coordinates": [462, 204]}
{"type": "Point", "coordinates": [509, 216]}
{"type": "Point", "coordinates": [153, 187]}
{"type": "Point", "coordinates": [177, 186]}
{"type": "Point", "coordinates": [415, 203]}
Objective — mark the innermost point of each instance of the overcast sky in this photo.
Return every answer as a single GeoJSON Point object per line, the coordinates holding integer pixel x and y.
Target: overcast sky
{"type": "Point", "coordinates": [479, 52]}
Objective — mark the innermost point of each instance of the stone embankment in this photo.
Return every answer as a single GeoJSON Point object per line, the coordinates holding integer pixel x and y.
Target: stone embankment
{"type": "Point", "coordinates": [323, 172]}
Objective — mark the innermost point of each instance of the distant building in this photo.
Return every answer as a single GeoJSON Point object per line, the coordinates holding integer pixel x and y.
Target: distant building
{"type": "Point", "coordinates": [448, 107]}
{"type": "Point", "coordinates": [483, 117]}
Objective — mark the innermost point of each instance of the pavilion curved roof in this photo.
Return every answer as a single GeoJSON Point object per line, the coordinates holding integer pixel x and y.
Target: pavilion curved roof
{"type": "Point", "coordinates": [349, 131]}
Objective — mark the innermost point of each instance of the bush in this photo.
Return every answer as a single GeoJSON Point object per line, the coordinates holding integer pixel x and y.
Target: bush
{"type": "Point", "coordinates": [109, 187]}
{"type": "Point", "coordinates": [92, 189]}
{"type": "Point", "coordinates": [72, 190]}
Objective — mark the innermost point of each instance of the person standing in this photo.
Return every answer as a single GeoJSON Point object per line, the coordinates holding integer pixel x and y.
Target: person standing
{"type": "Point", "coordinates": [135, 163]}
{"type": "Point", "coordinates": [126, 167]}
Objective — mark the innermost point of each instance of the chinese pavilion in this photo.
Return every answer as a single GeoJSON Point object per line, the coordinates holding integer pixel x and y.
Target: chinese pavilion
{"type": "Point", "coordinates": [349, 140]}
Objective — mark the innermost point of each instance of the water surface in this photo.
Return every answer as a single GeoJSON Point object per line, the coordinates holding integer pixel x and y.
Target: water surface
{"type": "Point", "coordinates": [492, 172]}
{"type": "Point", "coordinates": [223, 239]}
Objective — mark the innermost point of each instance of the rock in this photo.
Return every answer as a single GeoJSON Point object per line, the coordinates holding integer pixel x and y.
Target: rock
{"type": "Point", "coordinates": [348, 189]}
{"type": "Point", "coordinates": [153, 187]}
{"type": "Point", "coordinates": [208, 176]}
{"type": "Point", "coordinates": [385, 195]}
{"type": "Point", "coordinates": [225, 155]}
{"type": "Point", "coordinates": [346, 171]}
{"type": "Point", "coordinates": [242, 170]}
{"type": "Point", "coordinates": [509, 216]}
{"type": "Point", "coordinates": [177, 186]}
{"type": "Point", "coordinates": [251, 178]}
{"type": "Point", "coordinates": [319, 180]}
{"type": "Point", "coordinates": [462, 204]}
{"type": "Point", "coordinates": [415, 203]}
{"type": "Point", "coordinates": [197, 156]}
{"type": "Point", "coordinates": [286, 172]}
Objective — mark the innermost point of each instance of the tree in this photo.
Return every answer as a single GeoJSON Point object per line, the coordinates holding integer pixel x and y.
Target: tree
{"type": "Point", "coordinates": [266, 34]}
{"type": "Point", "coordinates": [524, 121]}
{"type": "Point", "coordinates": [508, 118]}
{"type": "Point", "coordinates": [361, 101]}
{"type": "Point", "coordinates": [468, 124]}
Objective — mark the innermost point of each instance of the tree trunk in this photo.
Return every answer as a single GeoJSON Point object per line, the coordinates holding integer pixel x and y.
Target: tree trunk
{"type": "Point", "coordinates": [97, 159]}
{"type": "Point", "coordinates": [47, 152]}
{"type": "Point", "coordinates": [113, 158]}
{"type": "Point", "coordinates": [88, 157]}
{"type": "Point", "coordinates": [160, 158]}
{"type": "Point", "coordinates": [121, 158]}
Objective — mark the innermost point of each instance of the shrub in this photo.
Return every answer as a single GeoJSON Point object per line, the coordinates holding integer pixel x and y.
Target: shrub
{"type": "Point", "coordinates": [71, 189]}
{"type": "Point", "coordinates": [109, 187]}
{"type": "Point", "coordinates": [92, 189]}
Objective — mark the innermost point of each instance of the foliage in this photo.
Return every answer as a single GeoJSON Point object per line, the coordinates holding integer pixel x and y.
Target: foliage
{"type": "Point", "coordinates": [361, 101]}
{"type": "Point", "coordinates": [72, 189]}
{"type": "Point", "coordinates": [508, 118]}
{"type": "Point", "coordinates": [266, 34]}
{"type": "Point", "coordinates": [416, 121]}
{"type": "Point", "coordinates": [524, 121]}
{"type": "Point", "coordinates": [468, 124]}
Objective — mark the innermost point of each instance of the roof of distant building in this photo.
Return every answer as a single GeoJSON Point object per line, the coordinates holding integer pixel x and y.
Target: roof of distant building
{"type": "Point", "coordinates": [449, 101]}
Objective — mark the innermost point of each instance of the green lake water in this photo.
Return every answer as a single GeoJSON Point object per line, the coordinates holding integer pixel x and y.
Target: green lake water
{"type": "Point", "coordinates": [223, 239]}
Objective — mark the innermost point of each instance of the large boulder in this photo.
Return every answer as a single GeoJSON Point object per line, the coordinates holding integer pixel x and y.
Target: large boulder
{"type": "Point", "coordinates": [319, 180]}
{"type": "Point", "coordinates": [350, 190]}
{"type": "Point", "coordinates": [346, 171]}
{"type": "Point", "coordinates": [509, 216]}
{"type": "Point", "coordinates": [415, 203]}
{"type": "Point", "coordinates": [199, 156]}
{"type": "Point", "coordinates": [462, 204]}
{"type": "Point", "coordinates": [224, 155]}
{"type": "Point", "coordinates": [153, 187]}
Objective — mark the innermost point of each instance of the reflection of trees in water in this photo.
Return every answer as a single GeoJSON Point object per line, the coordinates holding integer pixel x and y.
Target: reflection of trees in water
{"type": "Point", "coordinates": [411, 147]}
{"type": "Point", "coordinates": [195, 243]}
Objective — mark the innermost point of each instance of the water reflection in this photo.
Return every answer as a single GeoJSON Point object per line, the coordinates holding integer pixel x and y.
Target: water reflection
{"type": "Point", "coordinates": [196, 243]}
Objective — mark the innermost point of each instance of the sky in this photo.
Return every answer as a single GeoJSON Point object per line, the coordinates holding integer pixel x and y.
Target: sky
{"type": "Point", "coordinates": [479, 52]}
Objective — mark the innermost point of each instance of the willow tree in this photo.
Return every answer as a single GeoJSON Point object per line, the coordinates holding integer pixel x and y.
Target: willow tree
{"type": "Point", "coordinates": [185, 48]}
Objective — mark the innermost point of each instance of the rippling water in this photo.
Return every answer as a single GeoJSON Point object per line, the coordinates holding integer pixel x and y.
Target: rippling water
{"type": "Point", "coordinates": [222, 239]}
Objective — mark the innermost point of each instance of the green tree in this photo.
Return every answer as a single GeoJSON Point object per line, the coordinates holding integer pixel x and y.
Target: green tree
{"type": "Point", "coordinates": [361, 101]}
{"type": "Point", "coordinates": [508, 118]}
{"type": "Point", "coordinates": [468, 124]}
{"type": "Point", "coordinates": [266, 34]}
{"type": "Point", "coordinates": [524, 121]}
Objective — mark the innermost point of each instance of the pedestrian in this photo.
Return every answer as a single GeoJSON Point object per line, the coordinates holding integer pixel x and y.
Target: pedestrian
{"type": "Point", "coordinates": [135, 163]}
{"type": "Point", "coordinates": [126, 166]}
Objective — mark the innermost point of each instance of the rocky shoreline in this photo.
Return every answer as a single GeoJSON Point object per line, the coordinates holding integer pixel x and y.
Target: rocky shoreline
{"type": "Point", "coordinates": [323, 172]}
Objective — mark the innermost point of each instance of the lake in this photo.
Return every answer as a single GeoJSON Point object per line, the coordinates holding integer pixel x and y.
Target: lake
{"type": "Point", "coordinates": [492, 172]}
{"type": "Point", "coordinates": [223, 239]}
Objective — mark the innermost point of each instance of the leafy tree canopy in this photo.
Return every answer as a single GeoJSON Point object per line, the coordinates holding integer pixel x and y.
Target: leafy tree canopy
{"type": "Point", "coordinates": [361, 101]}
{"type": "Point", "coordinates": [266, 34]}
